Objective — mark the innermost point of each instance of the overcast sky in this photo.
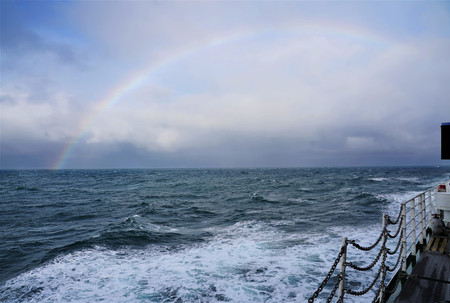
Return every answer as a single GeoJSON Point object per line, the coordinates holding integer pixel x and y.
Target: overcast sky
{"type": "Point", "coordinates": [141, 84]}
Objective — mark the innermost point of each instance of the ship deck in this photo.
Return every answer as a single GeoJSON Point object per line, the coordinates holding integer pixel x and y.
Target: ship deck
{"type": "Point", "coordinates": [429, 279]}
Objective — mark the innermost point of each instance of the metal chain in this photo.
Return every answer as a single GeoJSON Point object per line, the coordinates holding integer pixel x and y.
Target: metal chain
{"type": "Point", "coordinates": [398, 218]}
{"type": "Point", "coordinates": [352, 242]}
{"type": "Point", "coordinates": [375, 261]}
{"type": "Point", "coordinates": [375, 298]}
{"type": "Point", "coordinates": [382, 251]}
{"type": "Point", "coordinates": [336, 286]}
{"type": "Point", "coordinates": [363, 292]}
{"type": "Point", "coordinates": [398, 260]}
{"type": "Point", "coordinates": [341, 298]}
{"type": "Point", "coordinates": [330, 273]}
{"type": "Point", "coordinates": [398, 245]}
{"type": "Point", "coordinates": [383, 267]}
{"type": "Point", "coordinates": [398, 230]}
{"type": "Point", "coordinates": [391, 291]}
{"type": "Point", "coordinates": [383, 270]}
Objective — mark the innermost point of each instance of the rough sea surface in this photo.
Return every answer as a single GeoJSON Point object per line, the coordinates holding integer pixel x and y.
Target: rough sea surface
{"type": "Point", "coordinates": [190, 235]}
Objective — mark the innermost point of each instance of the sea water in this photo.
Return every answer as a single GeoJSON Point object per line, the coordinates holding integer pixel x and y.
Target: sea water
{"type": "Point", "coordinates": [191, 235]}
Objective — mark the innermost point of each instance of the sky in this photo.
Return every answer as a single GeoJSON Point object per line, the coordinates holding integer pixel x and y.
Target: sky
{"type": "Point", "coordinates": [153, 84]}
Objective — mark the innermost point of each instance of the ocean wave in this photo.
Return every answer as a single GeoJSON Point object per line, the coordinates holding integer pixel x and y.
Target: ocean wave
{"type": "Point", "coordinates": [380, 179]}
{"type": "Point", "coordinates": [414, 180]}
{"type": "Point", "coordinates": [238, 265]}
{"type": "Point", "coordinates": [259, 197]}
{"type": "Point", "coordinates": [216, 236]}
{"type": "Point", "coordinates": [249, 261]}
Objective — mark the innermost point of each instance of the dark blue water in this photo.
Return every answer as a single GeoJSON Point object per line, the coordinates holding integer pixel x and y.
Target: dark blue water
{"type": "Point", "coordinates": [188, 235]}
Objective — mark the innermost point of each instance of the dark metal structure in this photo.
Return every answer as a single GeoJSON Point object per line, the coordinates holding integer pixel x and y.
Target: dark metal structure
{"type": "Point", "coordinates": [445, 141]}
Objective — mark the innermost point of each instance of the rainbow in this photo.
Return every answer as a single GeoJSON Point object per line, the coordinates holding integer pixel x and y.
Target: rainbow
{"type": "Point", "coordinates": [137, 79]}
{"type": "Point", "coordinates": [131, 83]}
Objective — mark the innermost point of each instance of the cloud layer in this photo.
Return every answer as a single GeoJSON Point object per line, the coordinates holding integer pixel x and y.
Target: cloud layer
{"type": "Point", "coordinates": [223, 84]}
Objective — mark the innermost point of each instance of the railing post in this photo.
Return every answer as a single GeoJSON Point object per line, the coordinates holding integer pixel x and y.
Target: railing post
{"type": "Point", "coordinates": [424, 218]}
{"type": "Point", "coordinates": [432, 202]}
{"type": "Point", "coordinates": [421, 237]}
{"type": "Point", "coordinates": [343, 260]}
{"type": "Point", "coordinates": [383, 265]}
{"type": "Point", "coordinates": [425, 209]}
{"type": "Point", "coordinates": [404, 235]}
{"type": "Point", "coordinates": [432, 196]}
{"type": "Point", "coordinates": [412, 205]}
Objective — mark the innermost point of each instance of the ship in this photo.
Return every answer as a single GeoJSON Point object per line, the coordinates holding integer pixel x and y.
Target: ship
{"type": "Point", "coordinates": [411, 256]}
{"type": "Point", "coordinates": [413, 246]}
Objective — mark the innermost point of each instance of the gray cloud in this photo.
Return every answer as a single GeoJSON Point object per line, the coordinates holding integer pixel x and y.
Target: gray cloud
{"type": "Point", "coordinates": [250, 88]}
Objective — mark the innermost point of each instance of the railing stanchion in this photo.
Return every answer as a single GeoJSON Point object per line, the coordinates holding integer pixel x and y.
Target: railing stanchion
{"type": "Point", "coordinates": [426, 210]}
{"type": "Point", "coordinates": [432, 196]}
{"type": "Point", "coordinates": [412, 205]}
{"type": "Point", "coordinates": [421, 237]}
{"type": "Point", "coordinates": [424, 218]}
{"type": "Point", "coordinates": [404, 236]}
{"type": "Point", "coordinates": [383, 264]}
{"type": "Point", "coordinates": [343, 260]}
{"type": "Point", "coordinates": [431, 204]}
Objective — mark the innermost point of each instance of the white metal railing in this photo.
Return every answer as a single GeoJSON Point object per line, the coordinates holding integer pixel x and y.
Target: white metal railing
{"type": "Point", "coordinates": [410, 234]}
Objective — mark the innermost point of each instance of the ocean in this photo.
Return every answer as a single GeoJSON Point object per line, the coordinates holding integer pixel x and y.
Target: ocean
{"type": "Point", "coordinates": [190, 235]}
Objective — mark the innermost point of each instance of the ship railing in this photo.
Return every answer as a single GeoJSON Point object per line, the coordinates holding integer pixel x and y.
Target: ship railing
{"type": "Point", "coordinates": [401, 240]}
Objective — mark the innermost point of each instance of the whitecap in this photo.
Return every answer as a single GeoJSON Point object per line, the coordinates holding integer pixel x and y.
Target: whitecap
{"type": "Point", "coordinates": [241, 263]}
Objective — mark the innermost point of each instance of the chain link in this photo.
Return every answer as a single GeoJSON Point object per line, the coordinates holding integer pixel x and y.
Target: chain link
{"type": "Point", "coordinates": [363, 292]}
{"type": "Point", "coordinates": [398, 260]}
{"type": "Point", "coordinates": [392, 252]}
{"type": "Point", "coordinates": [398, 218]}
{"type": "Point", "coordinates": [369, 267]}
{"type": "Point", "coordinates": [352, 242]}
{"type": "Point", "coordinates": [383, 270]}
{"type": "Point", "coordinates": [398, 230]}
{"type": "Point", "coordinates": [330, 273]}
{"type": "Point", "coordinates": [375, 298]}
{"type": "Point", "coordinates": [336, 286]}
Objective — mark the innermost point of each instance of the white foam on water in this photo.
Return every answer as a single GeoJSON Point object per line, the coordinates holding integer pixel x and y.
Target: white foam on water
{"type": "Point", "coordinates": [146, 224]}
{"type": "Point", "coordinates": [395, 200]}
{"type": "Point", "coordinates": [247, 262]}
{"type": "Point", "coordinates": [409, 179]}
{"type": "Point", "coordinates": [378, 179]}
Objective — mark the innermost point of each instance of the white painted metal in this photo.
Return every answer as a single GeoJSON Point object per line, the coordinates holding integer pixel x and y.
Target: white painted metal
{"type": "Point", "coordinates": [424, 217]}
{"type": "Point", "coordinates": [443, 204]}
{"type": "Point", "coordinates": [383, 272]}
{"type": "Point", "coordinates": [412, 207]}
{"type": "Point", "coordinates": [421, 217]}
{"type": "Point", "coordinates": [403, 251]}
{"type": "Point", "coordinates": [343, 260]}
